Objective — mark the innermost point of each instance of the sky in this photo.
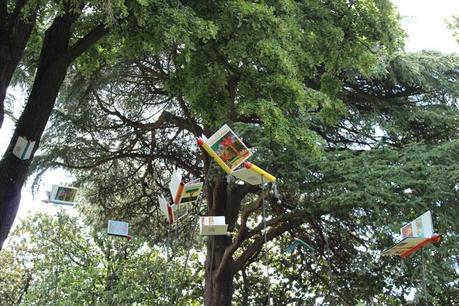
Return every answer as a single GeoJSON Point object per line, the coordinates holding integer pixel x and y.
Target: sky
{"type": "Point", "coordinates": [423, 20]}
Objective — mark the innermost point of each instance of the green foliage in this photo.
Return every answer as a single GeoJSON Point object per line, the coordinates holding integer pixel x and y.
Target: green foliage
{"type": "Point", "coordinates": [361, 139]}
{"type": "Point", "coordinates": [65, 263]}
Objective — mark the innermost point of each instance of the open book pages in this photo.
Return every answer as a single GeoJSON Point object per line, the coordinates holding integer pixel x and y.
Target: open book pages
{"type": "Point", "coordinates": [118, 228]}
{"type": "Point", "coordinates": [228, 147]}
{"type": "Point", "coordinates": [63, 195]}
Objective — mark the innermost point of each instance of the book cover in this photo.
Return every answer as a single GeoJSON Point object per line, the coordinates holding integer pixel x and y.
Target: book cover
{"type": "Point", "coordinates": [184, 193]}
{"type": "Point", "coordinates": [23, 148]}
{"type": "Point", "coordinates": [191, 192]}
{"type": "Point", "coordinates": [403, 246]}
{"type": "Point", "coordinates": [63, 195]}
{"type": "Point", "coordinates": [212, 225]}
{"type": "Point", "coordinates": [118, 228]}
{"type": "Point", "coordinates": [165, 209]}
{"type": "Point", "coordinates": [249, 176]}
{"type": "Point", "coordinates": [228, 147]}
{"type": "Point", "coordinates": [420, 227]}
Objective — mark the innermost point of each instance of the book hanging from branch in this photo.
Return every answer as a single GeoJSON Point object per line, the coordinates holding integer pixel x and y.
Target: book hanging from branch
{"type": "Point", "coordinates": [229, 152]}
{"type": "Point", "coordinates": [62, 195]}
{"type": "Point", "coordinates": [184, 193]}
{"type": "Point", "coordinates": [212, 225]}
{"type": "Point", "coordinates": [415, 235]}
{"type": "Point", "coordinates": [118, 228]}
{"type": "Point", "coordinates": [226, 148]}
{"type": "Point", "coordinates": [173, 212]}
{"type": "Point", "coordinates": [23, 148]}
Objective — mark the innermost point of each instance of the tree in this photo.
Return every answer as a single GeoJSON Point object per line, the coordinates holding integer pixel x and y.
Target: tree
{"type": "Point", "coordinates": [274, 70]}
{"type": "Point", "coordinates": [64, 31]}
{"type": "Point", "coordinates": [70, 263]}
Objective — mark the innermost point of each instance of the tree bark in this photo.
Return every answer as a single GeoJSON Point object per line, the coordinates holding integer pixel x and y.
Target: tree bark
{"type": "Point", "coordinates": [15, 31]}
{"type": "Point", "coordinates": [219, 274]}
{"type": "Point", "coordinates": [55, 57]}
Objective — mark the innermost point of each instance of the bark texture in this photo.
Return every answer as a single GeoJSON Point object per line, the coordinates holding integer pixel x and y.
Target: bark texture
{"type": "Point", "coordinates": [15, 30]}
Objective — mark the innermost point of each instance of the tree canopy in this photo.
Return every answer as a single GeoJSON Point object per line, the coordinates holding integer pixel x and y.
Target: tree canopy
{"type": "Point", "coordinates": [362, 138]}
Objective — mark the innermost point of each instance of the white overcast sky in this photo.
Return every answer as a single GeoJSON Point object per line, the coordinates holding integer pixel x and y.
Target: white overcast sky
{"type": "Point", "coordinates": [423, 20]}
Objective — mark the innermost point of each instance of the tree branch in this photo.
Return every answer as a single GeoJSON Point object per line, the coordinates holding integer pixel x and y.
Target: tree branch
{"type": "Point", "coordinates": [84, 43]}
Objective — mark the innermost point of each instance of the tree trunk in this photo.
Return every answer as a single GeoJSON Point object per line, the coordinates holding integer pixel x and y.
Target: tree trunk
{"type": "Point", "coordinates": [49, 77]}
{"type": "Point", "coordinates": [219, 275]}
{"type": "Point", "coordinates": [15, 30]}
{"type": "Point", "coordinates": [55, 58]}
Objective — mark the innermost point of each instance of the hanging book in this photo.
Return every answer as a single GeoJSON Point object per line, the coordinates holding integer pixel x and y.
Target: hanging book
{"type": "Point", "coordinates": [253, 175]}
{"type": "Point", "coordinates": [63, 195]}
{"type": "Point", "coordinates": [420, 227]}
{"type": "Point", "coordinates": [173, 212]}
{"type": "Point", "coordinates": [166, 209]}
{"type": "Point", "coordinates": [23, 148]}
{"type": "Point", "coordinates": [416, 235]}
{"type": "Point", "coordinates": [212, 225]}
{"type": "Point", "coordinates": [298, 242]}
{"type": "Point", "coordinates": [118, 228]}
{"type": "Point", "coordinates": [226, 148]}
{"type": "Point", "coordinates": [184, 193]}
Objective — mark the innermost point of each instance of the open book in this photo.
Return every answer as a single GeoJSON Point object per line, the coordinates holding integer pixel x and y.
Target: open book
{"type": "Point", "coordinates": [184, 193]}
{"type": "Point", "coordinates": [212, 225]}
{"type": "Point", "coordinates": [173, 212]}
{"type": "Point", "coordinates": [63, 195]}
{"type": "Point", "coordinates": [118, 228]}
{"type": "Point", "coordinates": [415, 234]}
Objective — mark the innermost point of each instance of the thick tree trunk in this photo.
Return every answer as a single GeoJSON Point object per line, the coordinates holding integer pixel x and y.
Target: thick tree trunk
{"type": "Point", "coordinates": [219, 275]}
{"type": "Point", "coordinates": [219, 284]}
{"type": "Point", "coordinates": [49, 77]}
{"type": "Point", "coordinates": [15, 32]}
{"type": "Point", "coordinates": [55, 57]}
{"type": "Point", "coordinates": [31, 124]}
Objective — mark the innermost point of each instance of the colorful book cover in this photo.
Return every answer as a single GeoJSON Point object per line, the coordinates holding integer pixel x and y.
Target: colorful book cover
{"type": "Point", "coordinates": [184, 193]}
{"type": "Point", "coordinates": [420, 227]}
{"type": "Point", "coordinates": [403, 246]}
{"type": "Point", "coordinates": [228, 147]}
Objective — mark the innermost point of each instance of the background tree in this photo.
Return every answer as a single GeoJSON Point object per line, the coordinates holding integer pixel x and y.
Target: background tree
{"type": "Point", "coordinates": [274, 71]}
{"type": "Point", "coordinates": [63, 30]}
{"type": "Point", "coordinates": [75, 265]}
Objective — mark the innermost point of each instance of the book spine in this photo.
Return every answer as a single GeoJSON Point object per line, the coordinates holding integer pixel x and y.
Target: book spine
{"type": "Point", "coordinates": [178, 196]}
